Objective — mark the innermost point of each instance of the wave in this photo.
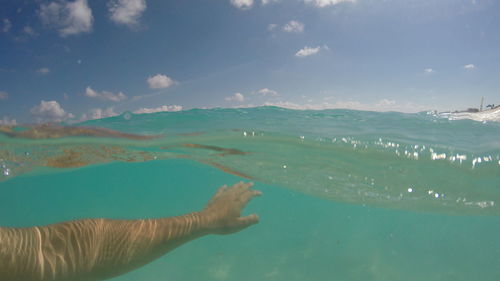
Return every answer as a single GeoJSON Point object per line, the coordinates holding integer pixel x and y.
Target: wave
{"type": "Point", "coordinates": [492, 115]}
{"type": "Point", "coordinates": [392, 160]}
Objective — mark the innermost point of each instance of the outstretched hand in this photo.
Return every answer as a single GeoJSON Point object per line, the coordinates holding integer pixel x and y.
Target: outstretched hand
{"type": "Point", "coordinates": [223, 211]}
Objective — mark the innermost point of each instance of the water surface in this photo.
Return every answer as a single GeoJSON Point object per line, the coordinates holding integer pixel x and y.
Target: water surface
{"type": "Point", "coordinates": [348, 195]}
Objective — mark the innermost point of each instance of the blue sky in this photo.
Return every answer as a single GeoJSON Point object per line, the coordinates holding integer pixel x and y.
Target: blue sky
{"type": "Point", "coordinates": [82, 59]}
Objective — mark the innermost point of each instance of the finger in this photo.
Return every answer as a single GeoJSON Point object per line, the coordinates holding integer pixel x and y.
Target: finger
{"type": "Point", "coordinates": [238, 185]}
{"type": "Point", "coordinates": [238, 188]}
{"type": "Point", "coordinates": [221, 190]}
{"type": "Point", "coordinates": [248, 220]}
{"type": "Point", "coordinates": [243, 187]}
{"type": "Point", "coordinates": [249, 194]}
{"type": "Point", "coordinates": [246, 197]}
{"type": "Point", "coordinates": [235, 187]}
{"type": "Point", "coordinates": [218, 193]}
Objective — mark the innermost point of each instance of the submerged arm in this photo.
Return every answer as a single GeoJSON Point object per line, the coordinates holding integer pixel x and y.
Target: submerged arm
{"type": "Point", "coordinates": [97, 249]}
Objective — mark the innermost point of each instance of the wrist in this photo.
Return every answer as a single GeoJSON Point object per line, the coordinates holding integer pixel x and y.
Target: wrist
{"type": "Point", "coordinates": [206, 222]}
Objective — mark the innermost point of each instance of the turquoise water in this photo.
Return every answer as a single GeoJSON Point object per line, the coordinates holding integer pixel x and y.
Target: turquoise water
{"type": "Point", "coordinates": [342, 200]}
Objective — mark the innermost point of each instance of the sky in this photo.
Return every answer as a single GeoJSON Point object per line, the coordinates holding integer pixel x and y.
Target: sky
{"type": "Point", "coordinates": [74, 60]}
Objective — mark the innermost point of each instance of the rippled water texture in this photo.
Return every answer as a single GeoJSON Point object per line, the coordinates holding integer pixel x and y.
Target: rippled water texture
{"type": "Point", "coordinates": [417, 162]}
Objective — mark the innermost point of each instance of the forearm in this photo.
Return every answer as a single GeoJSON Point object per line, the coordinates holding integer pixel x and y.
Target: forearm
{"type": "Point", "coordinates": [133, 241]}
{"type": "Point", "coordinates": [54, 252]}
{"type": "Point", "coordinates": [124, 245]}
{"type": "Point", "coordinates": [95, 248]}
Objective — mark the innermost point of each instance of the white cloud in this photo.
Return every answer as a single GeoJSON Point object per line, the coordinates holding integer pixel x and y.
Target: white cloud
{"type": "Point", "coordinates": [307, 51]}
{"type": "Point", "coordinates": [469, 66]}
{"type": "Point", "coordinates": [238, 97]}
{"type": "Point", "coordinates": [286, 104]}
{"type": "Point", "coordinates": [50, 111]}
{"type": "Point", "coordinates": [163, 108]}
{"type": "Point", "coordinates": [271, 26]}
{"type": "Point", "coordinates": [30, 31]}
{"type": "Point", "coordinates": [248, 105]}
{"type": "Point", "coordinates": [67, 17]}
{"type": "Point", "coordinates": [385, 103]}
{"type": "Point", "coordinates": [7, 121]}
{"type": "Point", "coordinates": [294, 26]}
{"type": "Point", "coordinates": [326, 3]}
{"type": "Point", "coordinates": [381, 105]}
{"type": "Point", "coordinates": [160, 81]}
{"type": "Point", "coordinates": [43, 70]}
{"type": "Point", "coordinates": [7, 25]}
{"type": "Point", "coordinates": [429, 70]}
{"type": "Point", "coordinates": [265, 2]}
{"type": "Point", "coordinates": [242, 4]}
{"type": "Point", "coordinates": [104, 95]}
{"type": "Point", "coordinates": [267, 92]}
{"type": "Point", "coordinates": [4, 95]}
{"type": "Point", "coordinates": [98, 113]}
{"type": "Point", "coordinates": [126, 12]}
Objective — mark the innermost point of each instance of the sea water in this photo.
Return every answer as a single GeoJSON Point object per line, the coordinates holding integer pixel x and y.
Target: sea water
{"type": "Point", "coordinates": [347, 195]}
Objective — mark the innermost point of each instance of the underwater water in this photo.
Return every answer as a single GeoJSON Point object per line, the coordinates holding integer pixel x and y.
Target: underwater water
{"type": "Point", "coordinates": [348, 195]}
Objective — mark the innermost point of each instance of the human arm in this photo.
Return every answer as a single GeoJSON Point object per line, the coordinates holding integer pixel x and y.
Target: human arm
{"type": "Point", "coordinates": [98, 249]}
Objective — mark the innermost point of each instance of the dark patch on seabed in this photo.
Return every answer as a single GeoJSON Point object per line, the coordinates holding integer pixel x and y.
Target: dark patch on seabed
{"type": "Point", "coordinates": [53, 131]}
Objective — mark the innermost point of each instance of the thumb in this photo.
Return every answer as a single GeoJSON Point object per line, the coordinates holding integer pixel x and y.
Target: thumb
{"type": "Point", "coordinates": [248, 220]}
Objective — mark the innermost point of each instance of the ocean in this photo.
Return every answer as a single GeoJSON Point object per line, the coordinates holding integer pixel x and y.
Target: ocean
{"type": "Point", "coordinates": [347, 195]}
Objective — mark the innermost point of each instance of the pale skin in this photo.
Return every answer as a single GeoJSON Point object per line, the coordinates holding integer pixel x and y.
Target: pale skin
{"type": "Point", "coordinates": [99, 249]}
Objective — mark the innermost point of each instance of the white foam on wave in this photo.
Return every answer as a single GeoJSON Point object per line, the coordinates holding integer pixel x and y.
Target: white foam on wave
{"type": "Point", "coordinates": [483, 116]}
